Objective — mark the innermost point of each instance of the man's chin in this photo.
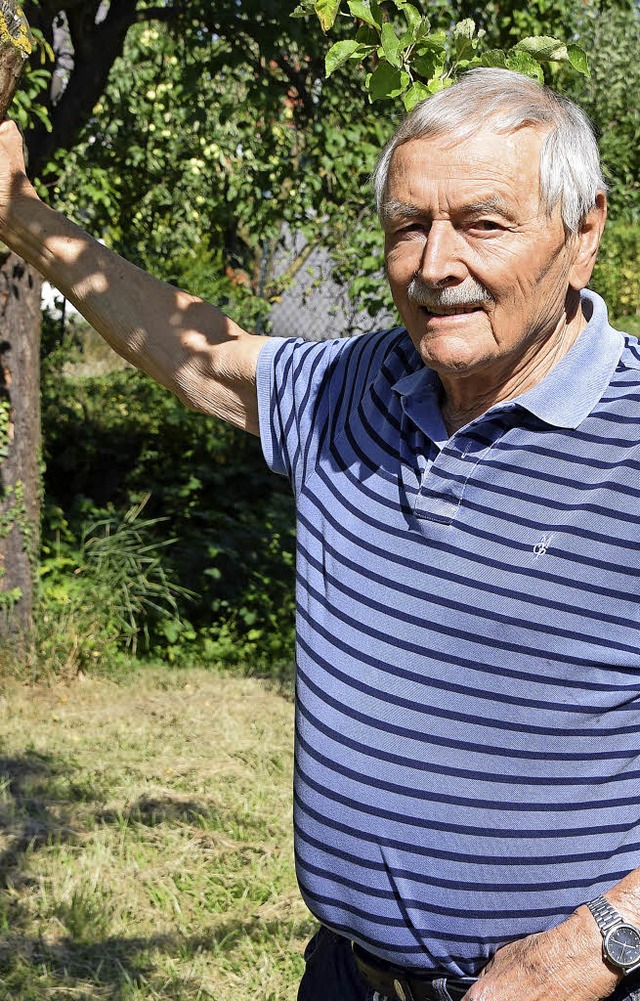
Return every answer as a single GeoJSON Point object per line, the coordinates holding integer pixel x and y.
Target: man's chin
{"type": "Point", "coordinates": [452, 347]}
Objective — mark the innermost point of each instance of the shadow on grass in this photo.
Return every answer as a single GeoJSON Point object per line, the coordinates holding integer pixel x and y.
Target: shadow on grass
{"type": "Point", "coordinates": [37, 793]}
{"type": "Point", "coordinates": [114, 968]}
{"type": "Point", "coordinates": [205, 818]}
{"type": "Point", "coordinates": [152, 811]}
{"type": "Point", "coordinates": [32, 810]}
{"type": "Point", "coordinates": [109, 969]}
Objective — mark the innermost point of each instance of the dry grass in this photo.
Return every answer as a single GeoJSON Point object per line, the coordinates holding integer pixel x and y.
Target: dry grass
{"type": "Point", "coordinates": [146, 841]}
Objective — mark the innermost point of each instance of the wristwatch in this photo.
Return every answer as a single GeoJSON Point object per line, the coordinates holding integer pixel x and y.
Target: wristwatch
{"type": "Point", "coordinates": [621, 940]}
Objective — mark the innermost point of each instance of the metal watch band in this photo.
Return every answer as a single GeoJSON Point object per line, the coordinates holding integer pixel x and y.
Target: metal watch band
{"type": "Point", "coordinates": [606, 916]}
{"type": "Point", "coordinates": [617, 948]}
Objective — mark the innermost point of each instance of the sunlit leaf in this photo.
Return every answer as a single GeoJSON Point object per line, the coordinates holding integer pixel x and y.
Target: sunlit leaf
{"type": "Point", "coordinates": [391, 45]}
{"type": "Point", "coordinates": [464, 29]}
{"type": "Point", "coordinates": [578, 59]}
{"type": "Point", "coordinates": [543, 48]}
{"type": "Point", "coordinates": [339, 53]}
{"type": "Point", "coordinates": [367, 11]}
{"type": "Point", "coordinates": [327, 11]}
{"type": "Point", "coordinates": [522, 62]}
{"type": "Point", "coordinates": [417, 92]}
{"type": "Point", "coordinates": [495, 58]}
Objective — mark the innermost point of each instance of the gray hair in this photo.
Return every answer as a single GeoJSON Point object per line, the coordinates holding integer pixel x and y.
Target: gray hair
{"type": "Point", "coordinates": [570, 167]}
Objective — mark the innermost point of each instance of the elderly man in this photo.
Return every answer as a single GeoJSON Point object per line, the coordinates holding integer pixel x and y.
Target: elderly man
{"type": "Point", "coordinates": [468, 735]}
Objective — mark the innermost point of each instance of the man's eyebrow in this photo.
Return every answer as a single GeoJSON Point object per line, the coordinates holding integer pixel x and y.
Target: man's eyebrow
{"type": "Point", "coordinates": [492, 203]}
{"type": "Point", "coordinates": [395, 209]}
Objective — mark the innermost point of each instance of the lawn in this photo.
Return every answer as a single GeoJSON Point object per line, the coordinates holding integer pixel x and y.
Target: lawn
{"type": "Point", "coordinates": [146, 841]}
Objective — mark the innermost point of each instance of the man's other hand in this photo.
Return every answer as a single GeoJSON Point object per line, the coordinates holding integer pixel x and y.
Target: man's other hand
{"type": "Point", "coordinates": [562, 964]}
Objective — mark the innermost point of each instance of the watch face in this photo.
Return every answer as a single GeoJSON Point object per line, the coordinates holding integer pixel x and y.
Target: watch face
{"type": "Point", "coordinates": [622, 945]}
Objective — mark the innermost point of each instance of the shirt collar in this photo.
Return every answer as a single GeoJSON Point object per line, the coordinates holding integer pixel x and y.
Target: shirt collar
{"type": "Point", "coordinates": [572, 388]}
{"type": "Point", "coordinates": [564, 397]}
{"type": "Point", "coordinates": [420, 399]}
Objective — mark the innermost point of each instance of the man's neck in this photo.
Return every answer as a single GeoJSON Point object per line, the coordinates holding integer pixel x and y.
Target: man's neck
{"type": "Point", "coordinates": [468, 397]}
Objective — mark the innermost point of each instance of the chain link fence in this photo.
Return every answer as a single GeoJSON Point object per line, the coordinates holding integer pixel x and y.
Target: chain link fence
{"type": "Point", "coordinates": [313, 305]}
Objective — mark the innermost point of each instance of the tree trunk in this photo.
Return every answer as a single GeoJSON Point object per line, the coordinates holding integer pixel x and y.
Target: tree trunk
{"type": "Point", "coordinates": [19, 385]}
{"type": "Point", "coordinates": [20, 322]}
{"type": "Point", "coordinates": [15, 47]}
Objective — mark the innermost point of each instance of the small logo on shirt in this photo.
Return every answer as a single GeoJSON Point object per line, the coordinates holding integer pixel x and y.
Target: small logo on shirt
{"type": "Point", "coordinates": [541, 547]}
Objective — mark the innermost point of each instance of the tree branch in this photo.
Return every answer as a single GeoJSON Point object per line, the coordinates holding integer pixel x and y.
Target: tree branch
{"type": "Point", "coordinates": [96, 47]}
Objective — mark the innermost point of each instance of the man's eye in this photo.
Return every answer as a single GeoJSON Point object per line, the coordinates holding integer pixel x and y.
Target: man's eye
{"type": "Point", "coordinates": [487, 225]}
{"type": "Point", "coordinates": [413, 227]}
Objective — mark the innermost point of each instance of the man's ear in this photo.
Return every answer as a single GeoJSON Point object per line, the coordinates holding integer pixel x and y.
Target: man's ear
{"type": "Point", "coordinates": [587, 241]}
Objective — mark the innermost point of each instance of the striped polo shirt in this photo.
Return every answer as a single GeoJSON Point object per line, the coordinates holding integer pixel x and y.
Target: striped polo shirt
{"type": "Point", "coordinates": [468, 667]}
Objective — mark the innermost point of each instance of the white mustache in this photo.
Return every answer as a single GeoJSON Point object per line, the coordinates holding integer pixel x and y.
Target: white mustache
{"type": "Point", "coordinates": [470, 293]}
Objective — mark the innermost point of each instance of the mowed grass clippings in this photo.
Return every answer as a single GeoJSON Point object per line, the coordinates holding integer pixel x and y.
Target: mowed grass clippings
{"type": "Point", "coordinates": [146, 841]}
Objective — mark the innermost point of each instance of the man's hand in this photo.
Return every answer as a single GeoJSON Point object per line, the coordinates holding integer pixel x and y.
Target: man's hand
{"type": "Point", "coordinates": [562, 964]}
{"type": "Point", "coordinates": [13, 176]}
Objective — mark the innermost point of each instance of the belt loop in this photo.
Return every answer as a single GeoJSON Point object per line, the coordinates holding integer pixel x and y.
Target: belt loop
{"type": "Point", "coordinates": [441, 987]}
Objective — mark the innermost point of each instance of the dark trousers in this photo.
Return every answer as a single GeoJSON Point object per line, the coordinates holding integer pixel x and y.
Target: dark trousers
{"type": "Point", "coordinates": [330, 973]}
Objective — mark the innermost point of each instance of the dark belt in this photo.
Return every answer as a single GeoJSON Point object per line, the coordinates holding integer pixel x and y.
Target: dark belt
{"type": "Point", "coordinates": [408, 985]}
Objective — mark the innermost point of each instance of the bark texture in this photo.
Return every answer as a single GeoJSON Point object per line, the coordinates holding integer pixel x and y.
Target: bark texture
{"type": "Point", "coordinates": [15, 47]}
{"type": "Point", "coordinates": [19, 383]}
{"type": "Point", "coordinates": [20, 323]}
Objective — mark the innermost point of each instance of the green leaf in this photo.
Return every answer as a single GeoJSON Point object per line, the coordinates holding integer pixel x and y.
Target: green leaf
{"type": "Point", "coordinates": [416, 93]}
{"type": "Point", "coordinates": [439, 83]}
{"type": "Point", "coordinates": [494, 57]}
{"type": "Point", "coordinates": [437, 41]}
{"type": "Point", "coordinates": [339, 53]}
{"type": "Point", "coordinates": [327, 11]}
{"type": "Point", "coordinates": [543, 48]}
{"type": "Point", "coordinates": [522, 62]}
{"type": "Point", "coordinates": [366, 35]}
{"type": "Point", "coordinates": [421, 33]}
{"type": "Point", "coordinates": [387, 81]}
{"type": "Point", "coordinates": [391, 45]}
{"type": "Point", "coordinates": [578, 59]}
{"type": "Point", "coordinates": [413, 16]}
{"type": "Point", "coordinates": [303, 9]}
{"type": "Point", "coordinates": [367, 11]}
{"type": "Point", "coordinates": [465, 43]}
{"type": "Point", "coordinates": [429, 65]}
{"type": "Point", "coordinates": [464, 29]}
{"type": "Point", "coordinates": [418, 27]}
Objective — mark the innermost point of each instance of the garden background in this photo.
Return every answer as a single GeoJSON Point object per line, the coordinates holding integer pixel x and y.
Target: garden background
{"type": "Point", "coordinates": [211, 148]}
{"type": "Point", "coordinates": [146, 694]}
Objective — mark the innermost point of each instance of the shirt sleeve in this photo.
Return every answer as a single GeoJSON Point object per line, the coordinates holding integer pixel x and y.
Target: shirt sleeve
{"type": "Point", "coordinates": [294, 388]}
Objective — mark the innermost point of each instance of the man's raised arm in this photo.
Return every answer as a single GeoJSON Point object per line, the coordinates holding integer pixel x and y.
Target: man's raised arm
{"type": "Point", "coordinates": [184, 343]}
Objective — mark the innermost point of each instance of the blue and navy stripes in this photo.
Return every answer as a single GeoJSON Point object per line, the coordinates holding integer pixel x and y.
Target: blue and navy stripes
{"type": "Point", "coordinates": [468, 691]}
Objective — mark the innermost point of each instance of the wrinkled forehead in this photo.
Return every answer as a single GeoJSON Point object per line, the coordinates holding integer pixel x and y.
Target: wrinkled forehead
{"type": "Point", "coordinates": [500, 167]}
{"type": "Point", "coordinates": [489, 141]}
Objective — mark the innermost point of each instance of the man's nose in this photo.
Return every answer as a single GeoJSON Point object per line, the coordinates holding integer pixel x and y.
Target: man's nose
{"type": "Point", "coordinates": [441, 263]}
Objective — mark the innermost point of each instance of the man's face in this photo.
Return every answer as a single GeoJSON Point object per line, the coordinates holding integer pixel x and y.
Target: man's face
{"type": "Point", "coordinates": [467, 237]}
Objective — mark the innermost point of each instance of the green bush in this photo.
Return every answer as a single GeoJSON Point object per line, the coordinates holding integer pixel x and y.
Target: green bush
{"type": "Point", "coordinates": [616, 276]}
{"type": "Point", "coordinates": [227, 582]}
{"type": "Point", "coordinates": [105, 594]}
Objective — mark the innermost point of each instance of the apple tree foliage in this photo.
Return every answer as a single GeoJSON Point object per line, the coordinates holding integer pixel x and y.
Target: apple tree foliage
{"type": "Point", "coordinates": [186, 134]}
